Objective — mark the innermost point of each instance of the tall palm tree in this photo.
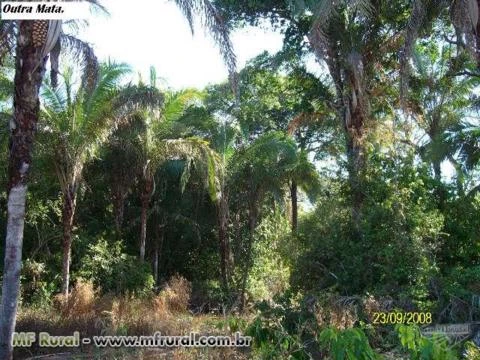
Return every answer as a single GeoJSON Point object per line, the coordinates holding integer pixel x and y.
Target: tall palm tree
{"type": "Point", "coordinates": [222, 135]}
{"type": "Point", "coordinates": [264, 167]}
{"type": "Point", "coordinates": [439, 102]}
{"type": "Point", "coordinates": [120, 160]}
{"type": "Point", "coordinates": [32, 42]}
{"type": "Point", "coordinates": [29, 71]}
{"type": "Point", "coordinates": [224, 140]}
{"type": "Point", "coordinates": [160, 142]}
{"type": "Point", "coordinates": [303, 175]}
{"type": "Point", "coordinates": [76, 124]}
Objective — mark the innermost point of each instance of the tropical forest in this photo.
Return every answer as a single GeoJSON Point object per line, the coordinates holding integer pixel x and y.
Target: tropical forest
{"type": "Point", "coordinates": [322, 201]}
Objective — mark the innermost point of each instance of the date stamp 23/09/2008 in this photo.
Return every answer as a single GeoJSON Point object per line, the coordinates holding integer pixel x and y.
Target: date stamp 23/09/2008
{"type": "Point", "coordinates": [397, 317]}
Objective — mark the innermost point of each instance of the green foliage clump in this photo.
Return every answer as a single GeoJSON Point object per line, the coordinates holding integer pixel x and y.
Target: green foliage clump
{"type": "Point", "coordinates": [472, 352]}
{"type": "Point", "coordinates": [463, 281]}
{"type": "Point", "coordinates": [349, 344]}
{"type": "Point", "coordinates": [402, 227]}
{"type": "Point", "coordinates": [420, 347]}
{"type": "Point", "coordinates": [462, 224]}
{"type": "Point", "coordinates": [398, 238]}
{"type": "Point", "coordinates": [270, 273]}
{"type": "Point", "coordinates": [279, 330]}
{"type": "Point", "coordinates": [36, 290]}
{"type": "Point", "coordinates": [114, 271]}
{"type": "Point", "coordinates": [288, 329]}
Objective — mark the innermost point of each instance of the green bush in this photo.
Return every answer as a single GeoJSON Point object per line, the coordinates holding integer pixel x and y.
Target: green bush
{"type": "Point", "coordinates": [288, 329]}
{"type": "Point", "coordinates": [270, 273]}
{"type": "Point", "coordinates": [36, 289]}
{"type": "Point", "coordinates": [472, 352]}
{"type": "Point", "coordinates": [395, 250]}
{"type": "Point", "coordinates": [282, 328]}
{"type": "Point", "coordinates": [114, 271]}
{"type": "Point", "coordinates": [349, 344]}
{"type": "Point", "coordinates": [420, 347]}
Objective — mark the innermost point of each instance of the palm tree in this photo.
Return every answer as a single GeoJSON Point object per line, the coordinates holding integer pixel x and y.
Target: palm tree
{"type": "Point", "coordinates": [356, 41]}
{"type": "Point", "coordinates": [160, 142]}
{"type": "Point", "coordinates": [345, 47]}
{"type": "Point", "coordinates": [438, 102]}
{"type": "Point", "coordinates": [264, 167]}
{"type": "Point", "coordinates": [29, 70]}
{"type": "Point", "coordinates": [464, 16]}
{"type": "Point", "coordinates": [304, 175]}
{"type": "Point", "coordinates": [76, 124]}
{"type": "Point", "coordinates": [224, 139]}
{"type": "Point", "coordinates": [120, 160]}
{"type": "Point", "coordinates": [222, 135]}
{"type": "Point", "coordinates": [31, 41]}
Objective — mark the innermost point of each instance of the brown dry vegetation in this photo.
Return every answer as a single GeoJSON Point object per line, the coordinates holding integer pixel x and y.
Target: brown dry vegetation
{"type": "Point", "coordinates": [90, 314]}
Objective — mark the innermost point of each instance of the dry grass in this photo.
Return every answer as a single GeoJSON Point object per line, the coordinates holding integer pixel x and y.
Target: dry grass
{"type": "Point", "coordinates": [79, 303]}
{"type": "Point", "coordinates": [175, 297]}
{"type": "Point", "coordinates": [86, 312]}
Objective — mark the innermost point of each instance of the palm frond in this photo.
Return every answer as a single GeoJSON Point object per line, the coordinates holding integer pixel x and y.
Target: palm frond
{"type": "Point", "coordinates": [216, 25]}
{"type": "Point", "coordinates": [88, 60]}
{"type": "Point", "coordinates": [187, 7]}
{"type": "Point", "coordinates": [364, 8]}
{"type": "Point", "coordinates": [177, 102]}
{"type": "Point", "coordinates": [135, 97]}
{"type": "Point", "coordinates": [467, 140]}
{"type": "Point", "coordinates": [198, 155]}
{"type": "Point", "coordinates": [416, 21]}
{"type": "Point", "coordinates": [79, 126]}
{"type": "Point", "coordinates": [267, 163]}
{"type": "Point", "coordinates": [54, 99]}
{"type": "Point", "coordinates": [99, 101]}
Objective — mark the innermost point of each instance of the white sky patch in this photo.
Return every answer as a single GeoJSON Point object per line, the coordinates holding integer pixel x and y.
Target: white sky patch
{"type": "Point", "coordinates": [145, 32]}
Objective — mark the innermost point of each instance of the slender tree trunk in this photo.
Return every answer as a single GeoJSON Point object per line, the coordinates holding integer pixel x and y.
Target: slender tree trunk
{"type": "Point", "coordinates": [118, 202]}
{"type": "Point", "coordinates": [155, 262]}
{"type": "Point", "coordinates": [355, 118]}
{"type": "Point", "coordinates": [29, 71]}
{"type": "Point", "coordinates": [143, 229]}
{"type": "Point", "coordinates": [252, 224]}
{"type": "Point", "coordinates": [157, 252]}
{"type": "Point", "coordinates": [224, 243]}
{"type": "Point", "coordinates": [294, 199]}
{"type": "Point", "coordinates": [356, 165]}
{"type": "Point", "coordinates": [68, 213]}
{"type": "Point", "coordinates": [145, 198]}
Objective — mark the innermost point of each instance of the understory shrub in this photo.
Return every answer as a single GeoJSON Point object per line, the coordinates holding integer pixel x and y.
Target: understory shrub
{"type": "Point", "coordinates": [270, 273]}
{"type": "Point", "coordinates": [175, 297]}
{"type": "Point", "coordinates": [395, 249]}
{"type": "Point", "coordinates": [112, 270]}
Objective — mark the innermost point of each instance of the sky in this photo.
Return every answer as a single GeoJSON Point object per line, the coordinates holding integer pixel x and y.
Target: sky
{"type": "Point", "coordinates": [154, 32]}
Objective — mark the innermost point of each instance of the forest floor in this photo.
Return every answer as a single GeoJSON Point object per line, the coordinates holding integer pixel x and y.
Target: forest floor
{"type": "Point", "coordinates": [93, 315]}
{"type": "Point", "coordinates": [128, 323]}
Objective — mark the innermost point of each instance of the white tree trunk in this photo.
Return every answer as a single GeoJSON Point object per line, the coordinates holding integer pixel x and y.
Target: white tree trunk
{"type": "Point", "coordinates": [12, 267]}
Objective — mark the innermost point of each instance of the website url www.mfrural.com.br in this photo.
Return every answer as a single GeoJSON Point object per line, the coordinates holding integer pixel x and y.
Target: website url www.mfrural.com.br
{"type": "Point", "coordinates": [44, 339]}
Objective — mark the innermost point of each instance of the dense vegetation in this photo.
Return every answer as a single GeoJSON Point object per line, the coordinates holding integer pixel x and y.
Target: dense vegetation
{"type": "Point", "coordinates": [289, 205]}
